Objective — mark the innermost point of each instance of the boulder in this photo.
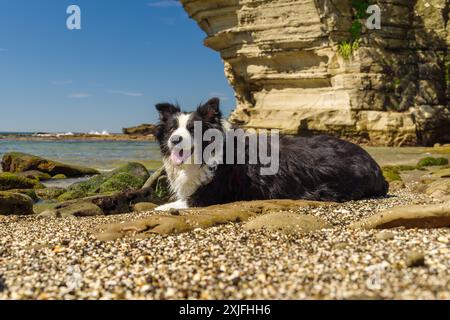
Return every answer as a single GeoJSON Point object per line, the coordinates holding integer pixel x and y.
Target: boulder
{"type": "Point", "coordinates": [15, 204]}
{"type": "Point", "coordinates": [286, 222]}
{"type": "Point", "coordinates": [21, 162]}
{"type": "Point", "coordinates": [130, 176]}
{"type": "Point", "coordinates": [80, 209]}
{"type": "Point", "coordinates": [35, 175]}
{"type": "Point", "coordinates": [414, 216]}
{"type": "Point", "coordinates": [28, 192]}
{"type": "Point", "coordinates": [10, 181]}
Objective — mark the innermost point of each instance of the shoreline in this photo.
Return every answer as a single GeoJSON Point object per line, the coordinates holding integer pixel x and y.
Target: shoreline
{"type": "Point", "coordinates": [77, 137]}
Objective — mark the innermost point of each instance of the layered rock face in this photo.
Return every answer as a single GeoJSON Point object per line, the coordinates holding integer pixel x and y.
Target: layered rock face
{"type": "Point", "coordinates": [282, 58]}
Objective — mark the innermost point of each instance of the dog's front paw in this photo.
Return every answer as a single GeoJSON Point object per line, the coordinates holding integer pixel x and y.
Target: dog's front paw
{"type": "Point", "coordinates": [173, 205]}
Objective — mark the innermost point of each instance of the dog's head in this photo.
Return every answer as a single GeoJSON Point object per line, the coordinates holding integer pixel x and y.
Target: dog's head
{"type": "Point", "coordinates": [175, 132]}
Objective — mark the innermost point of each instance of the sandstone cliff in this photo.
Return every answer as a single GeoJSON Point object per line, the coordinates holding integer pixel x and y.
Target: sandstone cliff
{"type": "Point", "coordinates": [284, 60]}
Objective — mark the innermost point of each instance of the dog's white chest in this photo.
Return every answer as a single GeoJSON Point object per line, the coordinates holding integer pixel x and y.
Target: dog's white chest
{"type": "Point", "coordinates": [185, 180]}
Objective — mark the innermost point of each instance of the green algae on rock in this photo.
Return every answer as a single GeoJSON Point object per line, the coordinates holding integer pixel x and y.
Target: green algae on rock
{"type": "Point", "coordinates": [430, 161]}
{"type": "Point", "coordinates": [12, 181]}
{"type": "Point", "coordinates": [130, 176]}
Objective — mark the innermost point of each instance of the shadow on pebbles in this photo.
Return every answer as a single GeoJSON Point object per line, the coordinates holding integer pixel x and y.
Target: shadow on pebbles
{"type": "Point", "coordinates": [391, 248]}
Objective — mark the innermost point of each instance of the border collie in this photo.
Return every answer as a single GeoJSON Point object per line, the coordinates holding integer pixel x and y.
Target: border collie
{"type": "Point", "coordinates": [321, 168]}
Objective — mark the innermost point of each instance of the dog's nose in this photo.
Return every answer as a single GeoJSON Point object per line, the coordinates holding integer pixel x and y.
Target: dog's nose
{"type": "Point", "coordinates": [176, 139]}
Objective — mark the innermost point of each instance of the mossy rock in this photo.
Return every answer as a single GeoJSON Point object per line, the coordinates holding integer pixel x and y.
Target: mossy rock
{"type": "Point", "coordinates": [50, 193]}
{"type": "Point", "coordinates": [72, 195]}
{"type": "Point", "coordinates": [133, 168]}
{"type": "Point", "coordinates": [430, 161]}
{"type": "Point", "coordinates": [59, 177]}
{"type": "Point", "coordinates": [121, 182]}
{"type": "Point", "coordinates": [35, 175]}
{"type": "Point", "coordinates": [20, 162]}
{"type": "Point", "coordinates": [10, 181]}
{"type": "Point", "coordinates": [130, 176]}
{"type": "Point", "coordinates": [15, 204]}
{"type": "Point", "coordinates": [28, 192]}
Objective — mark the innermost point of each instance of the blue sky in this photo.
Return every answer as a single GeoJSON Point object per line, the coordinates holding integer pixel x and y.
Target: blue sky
{"type": "Point", "coordinates": [128, 56]}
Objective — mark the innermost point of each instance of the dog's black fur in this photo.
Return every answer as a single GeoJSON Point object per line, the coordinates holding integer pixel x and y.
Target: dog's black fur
{"type": "Point", "coordinates": [320, 168]}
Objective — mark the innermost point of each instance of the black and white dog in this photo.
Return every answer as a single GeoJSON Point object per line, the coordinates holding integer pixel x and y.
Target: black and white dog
{"type": "Point", "coordinates": [319, 168]}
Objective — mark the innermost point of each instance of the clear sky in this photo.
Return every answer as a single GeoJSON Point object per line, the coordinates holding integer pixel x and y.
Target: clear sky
{"type": "Point", "coordinates": [129, 55]}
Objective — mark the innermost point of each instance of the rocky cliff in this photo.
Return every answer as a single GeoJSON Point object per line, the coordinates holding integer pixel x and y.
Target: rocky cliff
{"type": "Point", "coordinates": [309, 66]}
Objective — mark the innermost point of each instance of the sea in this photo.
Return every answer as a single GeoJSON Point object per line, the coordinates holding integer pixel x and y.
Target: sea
{"type": "Point", "coordinates": [101, 155]}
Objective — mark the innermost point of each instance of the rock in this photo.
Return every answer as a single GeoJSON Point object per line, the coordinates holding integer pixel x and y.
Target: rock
{"type": "Point", "coordinates": [442, 173]}
{"type": "Point", "coordinates": [285, 222]}
{"type": "Point", "coordinates": [439, 189]}
{"type": "Point", "coordinates": [415, 259]}
{"type": "Point", "coordinates": [141, 130]}
{"type": "Point", "coordinates": [200, 218]}
{"type": "Point", "coordinates": [130, 176]}
{"type": "Point", "coordinates": [15, 204]}
{"type": "Point", "coordinates": [144, 206]}
{"type": "Point", "coordinates": [21, 162]}
{"type": "Point", "coordinates": [283, 60]}
{"type": "Point", "coordinates": [35, 175]}
{"type": "Point", "coordinates": [50, 193]}
{"type": "Point", "coordinates": [28, 192]}
{"type": "Point", "coordinates": [414, 216]}
{"type": "Point", "coordinates": [10, 181]}
{"type": "Point", "coordinates": [120, 182]}
{"type": "Point", "coordinates": [385, 235]}
{"type": "Point", "coordinates": [59, 177]}
{"type": "Point", "coordinates": [79, 209]}
{"type": "Point", "coordinates": [430, 161]}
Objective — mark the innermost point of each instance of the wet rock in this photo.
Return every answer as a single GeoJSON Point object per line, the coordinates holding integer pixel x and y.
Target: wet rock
{"type": "Point", "coordinates": [144, 206]}
{"type": "Point", "coordinates": [35, 175]}
{"type": "Point", "coordinates": [15, 204]}
{"type": "Point", "coordinates": [21, 162]}
{"type": "Point", "coordinates": [415, 259]}
{"type": "Point", "coordinates": [80, 209]}
{"type": "Point", "coordinates": [199, 218]}
{"type": "Point", "coordinates": [414, 216]}
{"type": "Point", "coordinates": [10, 181]}
{"type": "Point", "coordinates": [285, 222]}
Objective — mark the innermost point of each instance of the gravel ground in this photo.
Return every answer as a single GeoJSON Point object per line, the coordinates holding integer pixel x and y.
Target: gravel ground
{"type": "Point", "coordinates": [59, 259]}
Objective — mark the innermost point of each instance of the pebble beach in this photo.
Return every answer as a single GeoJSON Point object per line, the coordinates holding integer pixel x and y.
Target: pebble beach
{"type": "Point", "coordinates": [46, 258]}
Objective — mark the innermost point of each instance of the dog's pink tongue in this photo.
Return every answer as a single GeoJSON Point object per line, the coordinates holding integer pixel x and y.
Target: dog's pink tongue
{"type": "Point", "coordinates": [177, 157]}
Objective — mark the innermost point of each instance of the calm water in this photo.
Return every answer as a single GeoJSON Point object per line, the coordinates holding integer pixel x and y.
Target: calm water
{"type": "Point", "coordinates": [102, 155]}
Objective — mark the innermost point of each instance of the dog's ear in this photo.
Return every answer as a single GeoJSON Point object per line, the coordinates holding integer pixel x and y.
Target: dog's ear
{"type": "Point", "coordinates": [210, 111]}
{"type": "Point", "coordinates": [166, 110]}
